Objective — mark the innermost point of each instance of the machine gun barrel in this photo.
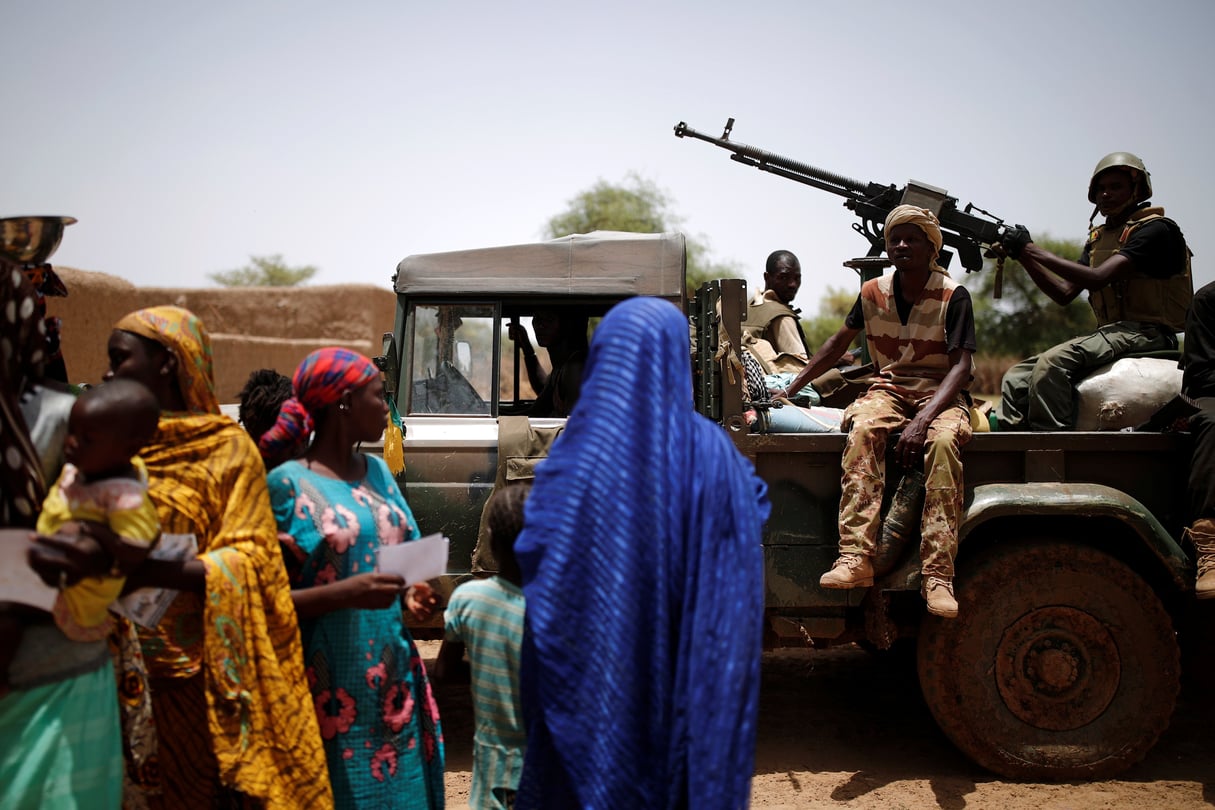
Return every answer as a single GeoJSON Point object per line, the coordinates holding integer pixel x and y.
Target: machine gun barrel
{"type": "Point", "coordinates": [783, 166]}
{"type": "Point", "coordinates": [968, 234]}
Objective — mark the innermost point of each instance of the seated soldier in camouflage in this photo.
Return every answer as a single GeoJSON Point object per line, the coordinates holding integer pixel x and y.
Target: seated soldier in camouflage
{"type": "Point", "coordinates": [919, 324]}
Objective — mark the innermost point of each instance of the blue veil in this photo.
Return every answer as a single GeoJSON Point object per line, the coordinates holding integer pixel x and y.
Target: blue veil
{"type": "Point", "coordinates": [643, 572]}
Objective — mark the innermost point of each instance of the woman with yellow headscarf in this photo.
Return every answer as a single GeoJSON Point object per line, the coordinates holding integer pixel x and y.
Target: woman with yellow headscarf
{"type": "Point", "coordinates": [229, 699]}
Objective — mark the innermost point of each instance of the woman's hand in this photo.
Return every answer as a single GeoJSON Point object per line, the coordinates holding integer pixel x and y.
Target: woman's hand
{"type": "Point", "coordinates": [68, 556]}
{"type": "Point", "coordinates": [84, 548]}
{"type": "Point", "coordinates": [125, 555]}
{"type": "Point", "coordinates": [373, 591]}
{"type": "Point", "coordinates": [421, 600]}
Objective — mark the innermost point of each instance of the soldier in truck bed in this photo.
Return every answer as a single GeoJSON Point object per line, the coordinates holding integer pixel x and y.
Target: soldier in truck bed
{"type": "Point", "coordinates": [772, 328]}
{"type": "Point", "coordinates": [1198, 383]}
{"type": "Point", "coordinates": [1136, 268]}
{"type": "Point", "coordinates": [920, 327]}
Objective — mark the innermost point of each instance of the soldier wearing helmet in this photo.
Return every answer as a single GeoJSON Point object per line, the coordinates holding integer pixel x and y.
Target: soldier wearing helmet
{"type": "Point", "coordinates": [1136, 269]}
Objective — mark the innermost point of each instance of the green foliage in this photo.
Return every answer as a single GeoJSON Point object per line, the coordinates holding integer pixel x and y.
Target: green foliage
{"type": "Point", "coordinates": [833, 308]}
{"type": "Point", "coordinates": [1025, 320]}
{"type": "Point", "coordinates": [636, 205]}
{"type": "Point", "coordinates": [264, 271]}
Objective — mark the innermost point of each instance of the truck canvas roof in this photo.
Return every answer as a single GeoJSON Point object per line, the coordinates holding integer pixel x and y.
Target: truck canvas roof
{"type": "Point", "coordinates": [608, 263]}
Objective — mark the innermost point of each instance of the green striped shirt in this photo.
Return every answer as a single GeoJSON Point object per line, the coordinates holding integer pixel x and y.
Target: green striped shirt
{"type": "Point", "coordinates": [487, 616]}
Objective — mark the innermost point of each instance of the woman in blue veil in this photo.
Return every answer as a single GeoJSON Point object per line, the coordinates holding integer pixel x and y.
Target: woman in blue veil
{"type": "Point", "coordinates": [643, 571]}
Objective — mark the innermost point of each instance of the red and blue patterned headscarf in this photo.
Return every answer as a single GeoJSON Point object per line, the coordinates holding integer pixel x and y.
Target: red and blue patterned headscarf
{"type": "Point", "coordinates": [320, 381]}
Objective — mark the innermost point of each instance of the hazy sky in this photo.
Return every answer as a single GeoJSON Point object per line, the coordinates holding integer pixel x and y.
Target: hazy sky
{"type": "Point", "coordinates": [186, 137]}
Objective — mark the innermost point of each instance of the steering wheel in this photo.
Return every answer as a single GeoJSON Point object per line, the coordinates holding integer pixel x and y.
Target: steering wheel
{"type": "Point", "coordinates": [455, 393]}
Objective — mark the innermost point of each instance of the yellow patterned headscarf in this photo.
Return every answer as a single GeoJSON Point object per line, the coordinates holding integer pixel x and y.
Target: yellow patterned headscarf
{"type": "Point", "coordinates": [926, 221]}
{"type": "Point", "coordinates": [181, 332]}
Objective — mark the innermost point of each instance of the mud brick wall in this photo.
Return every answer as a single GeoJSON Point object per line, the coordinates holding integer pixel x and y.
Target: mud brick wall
{"type": "Point", "coordinates": [250, 327]}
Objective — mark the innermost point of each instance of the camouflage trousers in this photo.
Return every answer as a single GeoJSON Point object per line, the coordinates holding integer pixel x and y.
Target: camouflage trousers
{"type": "Point", "coordinates": [869, 421]}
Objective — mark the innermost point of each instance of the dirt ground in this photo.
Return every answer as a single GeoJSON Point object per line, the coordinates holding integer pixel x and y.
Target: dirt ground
{"type": "Point", "coordinates": [839, 730]}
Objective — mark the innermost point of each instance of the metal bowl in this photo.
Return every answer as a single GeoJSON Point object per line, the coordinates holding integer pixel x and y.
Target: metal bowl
{"type": "Point", "coordinates": [31, 240]}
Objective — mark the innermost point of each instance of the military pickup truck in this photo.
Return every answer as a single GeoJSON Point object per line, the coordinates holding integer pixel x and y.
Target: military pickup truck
{"type": "Point", "coordinates": [1064, 662]}
{"type": "Point", "coordinates": [455, 375]}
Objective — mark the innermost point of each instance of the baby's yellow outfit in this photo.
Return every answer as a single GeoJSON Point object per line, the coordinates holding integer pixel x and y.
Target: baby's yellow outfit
{"type": "Point", "coordinates": [81, 610]}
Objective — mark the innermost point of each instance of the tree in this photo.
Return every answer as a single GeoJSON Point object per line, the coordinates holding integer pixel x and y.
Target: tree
{"type": "Point", "coordinates": [1025, 320]}
{"type": "Point", "coordinates": [636, 205]}
{"type": "Point", "coordinates": [833, 308]}
{"type": "Point", "coordinates": [264, 271]}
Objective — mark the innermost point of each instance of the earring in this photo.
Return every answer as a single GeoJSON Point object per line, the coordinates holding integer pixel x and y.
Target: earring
{"type": "Point", "coordinates": [342, 406]}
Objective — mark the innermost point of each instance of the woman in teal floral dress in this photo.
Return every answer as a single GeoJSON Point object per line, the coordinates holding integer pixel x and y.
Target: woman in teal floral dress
{"type": "Point", "coordinates": [335, 508]}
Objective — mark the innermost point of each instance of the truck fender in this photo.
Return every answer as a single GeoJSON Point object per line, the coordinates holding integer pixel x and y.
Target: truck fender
{"type": "Point", "coordinates": [991, 502]}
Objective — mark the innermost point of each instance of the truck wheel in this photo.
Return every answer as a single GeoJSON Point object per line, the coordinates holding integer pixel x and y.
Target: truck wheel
{"type": "Point", "coordinates": [1061, 665]}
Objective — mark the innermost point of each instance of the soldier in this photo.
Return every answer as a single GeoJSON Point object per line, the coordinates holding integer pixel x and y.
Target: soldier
{"type": "Point", "coordinates": [1136, 268]}
{"type": "Point", "coordinates": [772, 328]}
{"type": "Point", "coordinates": [1198, 382]}
{"type": "Point", "coordinates": [920, 327]}
{"type": "Point", "coordinates": [563, 334]}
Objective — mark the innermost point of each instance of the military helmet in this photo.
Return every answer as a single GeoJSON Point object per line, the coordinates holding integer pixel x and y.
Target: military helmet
{"type": "Point", "coordinates": [1122, 160]}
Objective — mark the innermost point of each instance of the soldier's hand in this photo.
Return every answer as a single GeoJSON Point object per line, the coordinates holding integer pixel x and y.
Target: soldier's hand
{"type": "Point", "coordinates": [909, 451]}
{"type": "Point", "coordinates": [518, 334]}
{"type": "Point", "coordinates": [1014, 241]}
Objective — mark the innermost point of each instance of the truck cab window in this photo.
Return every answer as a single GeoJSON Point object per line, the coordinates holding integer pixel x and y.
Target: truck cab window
{"type": "Point", "coordinates": [452, 359]}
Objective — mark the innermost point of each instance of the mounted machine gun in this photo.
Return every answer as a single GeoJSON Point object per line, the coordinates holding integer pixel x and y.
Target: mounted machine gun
{"type": "Point", "coordinates": [973, 237]}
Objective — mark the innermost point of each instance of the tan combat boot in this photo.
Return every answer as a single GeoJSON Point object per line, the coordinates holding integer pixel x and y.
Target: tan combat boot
{"type": "Point", "coordinates": [938, 593]}
{"type": "Point", "coordinates": [1203, 535]}
{"type": "Point", "coordinates": [849, 571]}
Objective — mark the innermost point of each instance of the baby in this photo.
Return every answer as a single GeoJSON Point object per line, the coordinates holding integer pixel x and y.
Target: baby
{"type": "Point", "coordinates": [105, 481]}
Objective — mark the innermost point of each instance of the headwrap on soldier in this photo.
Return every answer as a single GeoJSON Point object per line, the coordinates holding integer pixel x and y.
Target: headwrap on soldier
{"type": "Point", "coordinates": [926, 221]}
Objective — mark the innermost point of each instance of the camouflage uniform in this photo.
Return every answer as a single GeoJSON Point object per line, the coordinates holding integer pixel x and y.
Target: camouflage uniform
{"type": "Point", "coordinates": [918, 344]}
{"type": "Point", "coordinates": [914, 359]}
{"type": "Point", "coordinates": [869, 421]}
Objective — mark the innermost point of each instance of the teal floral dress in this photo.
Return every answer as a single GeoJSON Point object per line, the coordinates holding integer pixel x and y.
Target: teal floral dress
{"type": "Point", "coordinates": [378, 717]}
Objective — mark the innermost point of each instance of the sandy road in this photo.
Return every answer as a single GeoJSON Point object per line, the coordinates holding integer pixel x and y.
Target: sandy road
{"type": "Point", "coordinates": [839, 729]}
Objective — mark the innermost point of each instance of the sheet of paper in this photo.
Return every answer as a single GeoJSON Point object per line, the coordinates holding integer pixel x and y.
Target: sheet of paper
{"type": "Point", "coordinates": [18, 582]}
{"type": "Point", "coordinates": [417, 560]}
{"type": "Point", "coordinates": [147, 606]}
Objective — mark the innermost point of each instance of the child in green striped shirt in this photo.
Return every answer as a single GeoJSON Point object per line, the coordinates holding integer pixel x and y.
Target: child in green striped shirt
{"type": "Point", "coordinates": [485, 616]}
